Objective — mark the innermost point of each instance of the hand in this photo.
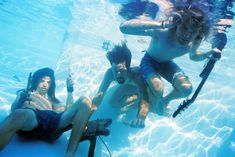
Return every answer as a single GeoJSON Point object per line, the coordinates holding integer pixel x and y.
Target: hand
{"type": "Point", "coordinates": [69, 84]}
{"type": "Point", "coordinates": [225, 22]}
{"type": "Point", "coordinates": [24, 96]}
{"type": "Point", "coordinates": [135, 123]}
{"type": "Point", "coordinates": [216, 53]}
{"type": "Point", "coordinates": [174, 20]}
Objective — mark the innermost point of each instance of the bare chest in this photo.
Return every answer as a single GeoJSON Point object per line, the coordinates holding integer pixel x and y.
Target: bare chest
{"type": "Point", "coordinates": [165, 48]}
{"type": "Point", "coordinates": [39, 102]}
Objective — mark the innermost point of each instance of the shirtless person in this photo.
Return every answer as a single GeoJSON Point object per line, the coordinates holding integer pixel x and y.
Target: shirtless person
{"type": "Point", "coordinates": [182, 33]}
{"type": "Point", "coordinates": [39, 114]}
{"type": "Point", "coordinates": [130, 90]}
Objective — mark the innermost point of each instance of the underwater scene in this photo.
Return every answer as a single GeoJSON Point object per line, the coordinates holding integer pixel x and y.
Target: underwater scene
{"type": "Point", "coordinates": [75, 37]}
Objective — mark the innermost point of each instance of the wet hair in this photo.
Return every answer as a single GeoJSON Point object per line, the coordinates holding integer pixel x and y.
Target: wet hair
{"type": "Point", "coordinates": [197, 12]}
{"type": "Point", "coordinates": [137, 8]}
{"type": "Point", "coordinates": [198, 19]}
{"type": "Point", "coordinates": [119, 54]}
{"type": "Point", "coordinates": [36, 78]}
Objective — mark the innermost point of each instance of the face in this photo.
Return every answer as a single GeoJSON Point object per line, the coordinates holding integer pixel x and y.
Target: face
{"type": "Point", "coordinates": [43, 85]}
{"type": "Point", "coordinates": [186, 32]}
{"type": "Point", "coordinates": [119, 72]}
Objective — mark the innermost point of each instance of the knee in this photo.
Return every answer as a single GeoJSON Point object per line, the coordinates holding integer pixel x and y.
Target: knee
{"type": "Point", "coordinates": [183, 85]}
{"type": "Point", "coordinates": [186, 89]}
{"type": "Point", "coordinates": [84, 102]}
{"type": "Point", "coordinates": [157, 87]}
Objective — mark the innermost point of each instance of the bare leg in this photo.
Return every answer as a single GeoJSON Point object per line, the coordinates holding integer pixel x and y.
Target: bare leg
{"type": "Point", "coordinates": [123, 97]}
{"type": "Point", "coordinates": [174, 94]}
{"type": "Point", "coordinates": [79, 123]}
{"type": "Point", "coordinates": [21, 119]}
{"type": "Point", "coordinates": [182, 88]}
{"type": "Point", "coordinates": [155, 93]}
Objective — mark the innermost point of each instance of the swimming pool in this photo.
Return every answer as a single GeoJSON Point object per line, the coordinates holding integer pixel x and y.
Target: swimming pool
{"type": "Point", "coordinates": [67, 34]}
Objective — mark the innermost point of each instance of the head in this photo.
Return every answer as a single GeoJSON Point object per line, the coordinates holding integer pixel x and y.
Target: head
{"type": "Point", "coordinates": [120, 60]}
{"type": "Point", "coordinates": [43, 81]}
{"type": "Point", "coordinates": [43, 85]}
{"type": "Point", "coordinates": [195, 23]}
{"type": "Point", "coordinates": [193, 27]}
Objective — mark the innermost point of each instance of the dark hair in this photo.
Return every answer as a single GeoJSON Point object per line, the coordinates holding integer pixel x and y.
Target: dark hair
{"type": "Point", "coordinates": [137, 8]}
{"type": "Point", "coordinates": [198, 11]}
{"type": "Point", "coordinates": [119, 54]}
{"type": "Point", "coordinates": [38, 75]}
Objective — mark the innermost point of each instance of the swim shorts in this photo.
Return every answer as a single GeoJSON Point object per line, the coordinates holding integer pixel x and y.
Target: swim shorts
{"type": "Point", "coordinates": [168, 70]}
{"type": "Point", "coordinates": [48, 122]}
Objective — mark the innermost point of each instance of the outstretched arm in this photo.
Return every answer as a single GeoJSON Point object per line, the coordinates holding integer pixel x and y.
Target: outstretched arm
{"type": "Point", "coordinates": [108, 78]}
{"type": "Point", "coordinates": [143, 106]}
{"type": "Point", "coordinates": [149, 27]}
{"type": "Point", "coordinates": [197, 55]}
{"type": "Point", "coordinates": [141, 27]}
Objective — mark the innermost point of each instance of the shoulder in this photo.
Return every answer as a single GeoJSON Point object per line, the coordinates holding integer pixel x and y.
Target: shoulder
{"type": "Point", "coordinates": [135, 74]}
{"type": "Point", "coordinates": [107, 79]}
{"type": "Point", "coordinates": [109, 71]}
{"type": "Point", "coordinates": [109, 74]}
{"type": "Point", "coordinates": [135, 70]}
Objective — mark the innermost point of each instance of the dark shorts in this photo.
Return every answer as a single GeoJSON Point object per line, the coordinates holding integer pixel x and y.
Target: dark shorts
{"type": "Point", "coordinates": [48, 122]}
{"type": "Point", "coordinates": [168, 70]}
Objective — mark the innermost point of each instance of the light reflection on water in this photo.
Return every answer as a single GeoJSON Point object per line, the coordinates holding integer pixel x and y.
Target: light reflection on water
{"type": "Point", "coordinates": [197, 132]}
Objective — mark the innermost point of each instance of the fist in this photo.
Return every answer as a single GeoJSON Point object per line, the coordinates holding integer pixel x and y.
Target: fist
{"type": "Point", "coordinates": [69, 84]}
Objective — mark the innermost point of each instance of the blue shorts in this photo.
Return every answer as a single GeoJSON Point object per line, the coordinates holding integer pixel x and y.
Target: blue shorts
{"type": "Point", "coordinates": [168, 70]}
{"type": "Point", "coordinates": [48, 122]}
{"type": "Point", "coordinates": [47, 129]}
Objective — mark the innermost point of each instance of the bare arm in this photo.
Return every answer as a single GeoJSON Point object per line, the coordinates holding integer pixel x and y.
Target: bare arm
{"type": "Point", "coordinates": [197, 55]}
{"type": "Point", "coordinates": [69, 99]}
{"type": "Point", "coordinates": [108, 78]}
{"type": "Point", "coordinates": [149, 27]}
{"type": "Point", "coordinates": [141, 27]}
{"type": "Point", "coordinates": [21, 97]}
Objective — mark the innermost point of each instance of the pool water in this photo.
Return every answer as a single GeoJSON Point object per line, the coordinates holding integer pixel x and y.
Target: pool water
{"type": "Point", "coordinates": [68, 35]}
